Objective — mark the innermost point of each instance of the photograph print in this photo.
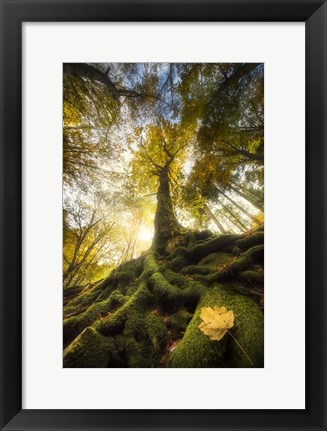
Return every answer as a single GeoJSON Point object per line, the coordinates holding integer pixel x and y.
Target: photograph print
{"type": "Point", "coordinates": [163, 215]}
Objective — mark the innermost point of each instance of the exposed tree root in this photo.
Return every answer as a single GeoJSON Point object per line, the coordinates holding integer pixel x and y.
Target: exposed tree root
{"type": "Point", "coordinates": [137, 316]}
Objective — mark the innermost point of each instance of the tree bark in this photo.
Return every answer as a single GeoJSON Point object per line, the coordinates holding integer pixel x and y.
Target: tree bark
{"type": "Point", "coordinates": [215, 220]}
{"type": "Point", "coordinates": [243, 70]}
{"type": "Point", "coordinates": [165, 222]}
{"type": "Point", "coordinates": [83, 70]}
{"type": "Point", "coordinates": [247, 198]}
{"type": "Point", "coordinates": [235, 219]}
{"type": "Point", "coordinates": [253, 218]}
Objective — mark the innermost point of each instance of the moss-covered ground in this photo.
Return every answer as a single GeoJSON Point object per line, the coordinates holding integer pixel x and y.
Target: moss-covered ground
{"type": "Point", "coordinates": [146, 313]}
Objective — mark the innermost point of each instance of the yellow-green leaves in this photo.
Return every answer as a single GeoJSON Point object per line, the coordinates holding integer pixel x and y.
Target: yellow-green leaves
{"type": "Point", "coordinates": [216, 321]}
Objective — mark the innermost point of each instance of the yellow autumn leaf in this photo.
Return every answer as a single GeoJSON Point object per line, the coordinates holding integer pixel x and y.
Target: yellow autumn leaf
{"type": "Point", "coordinates": [216, 321]}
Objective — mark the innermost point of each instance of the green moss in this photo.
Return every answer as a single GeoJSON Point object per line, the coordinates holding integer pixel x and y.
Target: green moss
{"type": "Point", "coordinates": [198, 269]}
{"type": "Point", "coordinates": [72, 291]}
{"type": "Point", "coordinates": [90, 350]}
{"type": "Point", "coordinates": [190, 239]}
{"type": "Point", "coordinates": [145, 338]}
{"type": "Point", "coordinates": [215, 259]}
{"type": "Point", "coordinates": [177, 323]}
{"type": "Point", "coordinates": [75, 324]}
{"type": "Point", "coordinates": [213, 245]}
{"type": "Point", "coordinates": [156, 331]}
{"type": "Point", "coordinates": [116, 299]}
{"type": "Point", "coordinates": [203, 235]}
{"type": "Point", "coordinates": [194, 291]}
{"type": "Point", "coordinates": [131, 289]}
{"type": "Point", "coordinates": [196, 350]}
{"type": "Point", "coordinates": [114, 323]}
{"type": "Point", "coordinates": [128, 271]}
{"type": "Point", "coordinates": [236, 251]}
{"type": "Point", "coordinates": [178, 251]}
{"type": "Point", "coordinates": [97, 286]}
{"type": "Point", "coordinates": [80, 303]}
{"type": "Point", "coordinates": [135, 324]}
{"type": "Point", "coordinates": [251, 277]}
{"type": "Point", "coordinates": [255, 254]}
{"type": "Point", "coordinates": [231, 270]}
{"type": "Point", "coordinates": [108, 285]}
{"type": "Point", "coordinates": [175, 278]}
{"type": "Point", "coordinates": [250, 241]}
{"type": "Point", "coordinates": [239, 288]}
{"type": "Point", "coordinates": [136, 353]}
{"type": "Point", "coordinates": [177, 263]}
{"type": "Point", "coordinates": [120, 341]}
{"type": "Point", "coordinates": [177, 240]}
{"type": "Point", "coordinates": [166, 294]}
{"type": "Point", "coordinates": [138, 338]}
{"type": "Point", "coordinates": [120, 278]}
{"type": "Point", "coordinates": [111, 287]}
{"type": "Point", "coordinates": [150, 264]}
{"type": "Point", "coordinates": [175, 290]}
{"type": "Point", "coordinates": [252, 256]}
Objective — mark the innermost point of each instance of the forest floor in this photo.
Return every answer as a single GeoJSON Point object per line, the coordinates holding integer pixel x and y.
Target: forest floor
{"type": "Point", "coordinates": [147, 312]}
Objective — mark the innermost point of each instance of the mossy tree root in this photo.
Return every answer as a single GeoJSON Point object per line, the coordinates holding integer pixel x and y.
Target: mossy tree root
{"type": "Point", "coordinates": [146, 303]}
{"type": "Point", "coordinates": [218, 243]}
{"type": "Point", "coordinates": [90, 350]}
{"type": "Point", "coordinates": [74, 325]}
{"type": "Point", "coordinates": [250, 241]}
{"type": "Point", "coordinates": [121, 277]}
{"type": "Point", "coordinates": [196, 350]}
{"type": "Point", "coordinates": [246, 260]}
{"type": "Point", "coordinates": [112, 324]}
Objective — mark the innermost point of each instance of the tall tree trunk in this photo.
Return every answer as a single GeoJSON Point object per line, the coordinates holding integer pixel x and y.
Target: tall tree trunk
{"type": "Point", "coordinates": [165, 223]}
{"type": "Point", "coordinates": [229, 224]}
{"type": "Point", "coordinates": [253, 218]}
{"type": "Point", "coordinates": [136, 234]}
{"type": "Point", "coordinates": [247, 198]}
{"type": "Point", "coordinates": [237, 222]}
{"type": "Point", "coordinates": [215, 219]}
{"type": "Point", "coordinates": [84, 70]}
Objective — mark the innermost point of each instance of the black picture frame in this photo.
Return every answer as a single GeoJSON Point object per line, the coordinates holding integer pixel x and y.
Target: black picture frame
{"type": "Point", "coordinates": [13, 14]}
